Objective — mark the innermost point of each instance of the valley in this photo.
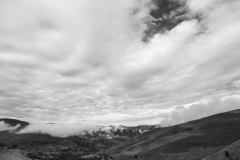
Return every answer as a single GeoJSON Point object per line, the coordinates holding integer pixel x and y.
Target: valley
{"type": "Point", "coordinates": [206, 138]}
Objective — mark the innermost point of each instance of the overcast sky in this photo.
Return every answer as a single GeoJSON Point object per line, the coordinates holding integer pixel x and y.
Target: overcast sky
{"type": "Point", "coordinates": [83, 61]}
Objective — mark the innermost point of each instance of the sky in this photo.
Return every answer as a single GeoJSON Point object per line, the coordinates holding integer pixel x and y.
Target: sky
{"type": "Point", "coordinates": [84, 62]}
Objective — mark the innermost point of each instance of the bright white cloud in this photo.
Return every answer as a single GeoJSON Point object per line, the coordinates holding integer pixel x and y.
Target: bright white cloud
{"type": "Point", "coordinates": [84, 61]}
{"type": "Point", "coordinates": [60, 130]}
{"type": "Point", "coordinates": [196, 5]}
{"type": "Point", "coordinates": [7, 127]}
{"type": "Point", "coordinates": [200, 109]}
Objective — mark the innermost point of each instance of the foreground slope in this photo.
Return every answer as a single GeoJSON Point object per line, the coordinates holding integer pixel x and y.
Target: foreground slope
{"type": "Point", "coordinates": [192, 140]}
{"type": "Point", "coordinates": [12, 155]}
{"type": "Point", "coordinates": [231, 152]}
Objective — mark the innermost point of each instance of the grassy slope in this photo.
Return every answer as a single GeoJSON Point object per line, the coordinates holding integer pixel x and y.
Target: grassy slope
{"type": "Point", "coordinates": [233, 150]}
{"type": "Point", "coordinates": [193, 140]}
{"type": "Point", "coordinates": [13, 155]}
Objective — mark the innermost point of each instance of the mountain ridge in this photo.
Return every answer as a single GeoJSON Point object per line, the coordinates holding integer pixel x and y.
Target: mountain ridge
{"type": "Point", "coordinates": [206, 136]}
{"type": "Point", "coordinates": [193, 140]}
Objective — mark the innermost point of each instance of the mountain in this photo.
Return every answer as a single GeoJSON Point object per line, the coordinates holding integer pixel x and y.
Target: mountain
{"type": "Point", "coordinates": [37, 145]}
{"type": "Point", "coordinates": [192, 140]}
{"type": "Point", "coordinates": [14, 123]}
{"type": "Point", "coordinates": [209, 138]}
{"type": "Point", "coordinates": [120, 133]}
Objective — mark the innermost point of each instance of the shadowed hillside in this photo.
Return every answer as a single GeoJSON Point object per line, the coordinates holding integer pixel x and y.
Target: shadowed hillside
{"type": "Point", "coordinates": [231, 152]}
{"type": "Point", "coordinates": [14, 122]}
{"type": "Point", "coordinates": [210, 136]}
{"type": "Point", "coordinates": [192, 140]}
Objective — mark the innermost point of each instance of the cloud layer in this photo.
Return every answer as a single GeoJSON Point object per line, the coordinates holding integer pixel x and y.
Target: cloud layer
{"type": "Point", "coordinates": [60, 130]}
{"type": "Point", "coordinates": [7, 127]}
{"type": "Point", "coordinates": [200, 109]}
{"type": "Point", "coordinates": [84, 61]}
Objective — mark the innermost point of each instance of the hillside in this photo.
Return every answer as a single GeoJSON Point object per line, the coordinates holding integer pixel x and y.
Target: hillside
{"type": "Point", "coordinates": [12, 155]}
{"type": "Point", "coordinates": [231, 152]}
{"type": "Point", "coordinates": [14, 122]}
{"type": "Point", "coordinates": [44, 145]}
{"type": "Point", "coordinates": [123, 132]}
{"type": "Point", "coordinates": [211, 136]}
{"type": "Point", "coordinates": [192, 140]}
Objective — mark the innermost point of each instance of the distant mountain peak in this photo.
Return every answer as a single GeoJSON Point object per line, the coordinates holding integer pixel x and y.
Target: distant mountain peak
{"type": "Point", "coordinates": [14, 123]}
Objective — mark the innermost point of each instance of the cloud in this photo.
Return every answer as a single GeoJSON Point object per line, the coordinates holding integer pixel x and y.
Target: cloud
{"type": "Point", "coordinates": [59, 130]}
{"type": "Point", "coordinates": [200, 109]}
{"type": "Point", "coordinates": [56, 55]}
{"type": "Point", "coordinates": [7, 127]}
{"type": "Point", "coordinates": [236, 83]}
{"type": "Point", "coordinates": [196, 5]}
{"type": "Point", "coordinates": [84, 61]}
